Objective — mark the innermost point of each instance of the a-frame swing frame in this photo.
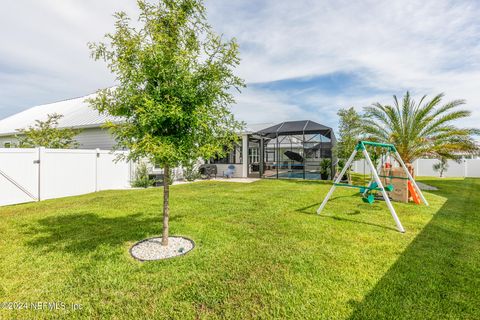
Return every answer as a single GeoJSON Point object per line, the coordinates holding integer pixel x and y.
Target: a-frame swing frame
{"type": "Point", "coordinates": [361, 146]}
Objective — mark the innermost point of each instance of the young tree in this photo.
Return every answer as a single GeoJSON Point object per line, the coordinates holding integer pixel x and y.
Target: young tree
{"type": "Point", "coordinates": [175, 79]}
{"type": "Point", "coordinates": [350, 130]}
{"type": "Point", "coordinates": [441, 166]}
{"type": "Point", "coordinates": [47, 134]}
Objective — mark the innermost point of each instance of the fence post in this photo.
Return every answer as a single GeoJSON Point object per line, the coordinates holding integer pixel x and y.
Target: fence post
{"type": "Point", "coordinates": [97, 155]}
{"type": "Point", "coordinates": [40, 153]}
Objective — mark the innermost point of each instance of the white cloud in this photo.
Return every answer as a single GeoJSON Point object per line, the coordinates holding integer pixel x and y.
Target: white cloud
{"type": "Point", "coordinates": [44, 55]}
{"type": "Point", "coordinates": [399, 39]}
{"type": "Point", "coordinates": [257, 106]}
{"type": "Point", "coordinates": [426, 47]}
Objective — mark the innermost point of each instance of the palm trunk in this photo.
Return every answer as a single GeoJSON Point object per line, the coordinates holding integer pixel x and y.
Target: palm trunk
{"type": "Point", "coordinates": [410, 168]}
{"type": "Point", "coordinates": [166, 208]}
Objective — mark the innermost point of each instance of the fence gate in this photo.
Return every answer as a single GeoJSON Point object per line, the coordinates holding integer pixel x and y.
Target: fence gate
{"type": "Point", "coordinates": [19, 176]}
{"type": "Point", "coordinates": [38, 174]}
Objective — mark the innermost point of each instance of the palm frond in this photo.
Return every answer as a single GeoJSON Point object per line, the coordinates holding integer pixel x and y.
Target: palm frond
{"type": "Point", "coordinates": [445, 119]}
{"type": "Point", "coordinates": [419, 129]}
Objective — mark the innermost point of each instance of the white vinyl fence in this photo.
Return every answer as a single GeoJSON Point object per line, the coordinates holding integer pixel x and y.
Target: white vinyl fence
{"type": "Point", "coordinates": [37, 174]}
{"type": "Point", "coordinates": [424, 167]}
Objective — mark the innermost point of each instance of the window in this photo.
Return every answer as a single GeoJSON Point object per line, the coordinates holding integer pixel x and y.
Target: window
{"type": "Point", "coordinates": [254, 155]}
{"type": "Point", "coordinates": [270, 156]}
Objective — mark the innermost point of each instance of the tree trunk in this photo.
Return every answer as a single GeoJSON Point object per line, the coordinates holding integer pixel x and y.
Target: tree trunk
{"type": "Point", "coordinates": [166, 208]}
{"type": "Point", "coordinates": [410, 168]}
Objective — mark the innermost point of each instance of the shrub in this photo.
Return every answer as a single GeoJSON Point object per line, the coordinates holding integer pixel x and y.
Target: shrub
{"type": "Point", "coordinates": [190, 172]}
{"type": "Point", "coordinates": [325, 166]}
{"type": "Point", "coordinates": [142, 178]}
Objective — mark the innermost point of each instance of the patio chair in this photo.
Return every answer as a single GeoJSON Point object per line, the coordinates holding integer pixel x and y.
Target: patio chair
{"type": "Point", "coordinates": [208, 170]}
{"type": "Point", "coordinates": [230, 171]}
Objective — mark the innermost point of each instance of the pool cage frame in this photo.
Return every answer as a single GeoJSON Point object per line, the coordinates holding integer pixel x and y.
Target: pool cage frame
{"type": "Point", "coordinates": [300, 134]}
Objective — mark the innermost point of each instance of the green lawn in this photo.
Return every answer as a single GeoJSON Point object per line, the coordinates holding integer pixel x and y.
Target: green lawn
{"type": "Point", "coordinates": [261, 252]}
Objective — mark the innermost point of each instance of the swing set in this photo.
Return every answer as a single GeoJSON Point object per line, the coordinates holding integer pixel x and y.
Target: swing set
{"type": "Point", "coordinates": [375, 184]}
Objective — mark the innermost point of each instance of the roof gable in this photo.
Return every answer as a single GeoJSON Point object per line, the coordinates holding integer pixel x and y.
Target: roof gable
{"type": "Point", "coordinates": [76, 113]}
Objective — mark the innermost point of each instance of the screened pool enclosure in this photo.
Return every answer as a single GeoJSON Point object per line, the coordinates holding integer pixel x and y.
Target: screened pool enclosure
{"type": "Point", "coordinates": [294, 149]}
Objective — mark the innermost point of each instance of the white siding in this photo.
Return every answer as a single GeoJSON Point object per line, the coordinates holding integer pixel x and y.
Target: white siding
{"type": "Point", "coordinates": [94, 138]}
{"type": "Point", "coordinates": [3, 140]}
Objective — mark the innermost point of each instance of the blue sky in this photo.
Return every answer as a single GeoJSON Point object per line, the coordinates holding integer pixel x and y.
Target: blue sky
{"type": "Point", "coordinates": [301, 59]}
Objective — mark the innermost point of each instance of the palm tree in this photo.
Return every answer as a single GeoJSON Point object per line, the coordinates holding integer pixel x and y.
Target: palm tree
{"type": "Point", "coordinates": [420, 129]}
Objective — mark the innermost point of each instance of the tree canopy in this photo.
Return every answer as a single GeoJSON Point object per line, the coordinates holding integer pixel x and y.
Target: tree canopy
{"type": "Point", "coordinates": [47, 134]}
{"type": "Point", "coordinates": [350, 130]}
{"type": "Point", "coordinates": [175, 79]}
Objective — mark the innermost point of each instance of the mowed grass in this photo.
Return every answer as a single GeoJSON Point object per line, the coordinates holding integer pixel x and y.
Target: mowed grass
{"type": "Point", "coordinates": [261, 252]}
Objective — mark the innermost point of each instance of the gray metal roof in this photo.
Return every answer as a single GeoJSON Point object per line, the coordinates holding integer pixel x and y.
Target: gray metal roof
{"type": "Point", "coordinates": [76, 113]}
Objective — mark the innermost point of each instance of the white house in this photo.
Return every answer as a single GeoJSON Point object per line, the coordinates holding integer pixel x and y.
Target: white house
{"type": "Point", "coordinates": [293, 149]}
{"type": "Point", "coordinates": [76, 114]}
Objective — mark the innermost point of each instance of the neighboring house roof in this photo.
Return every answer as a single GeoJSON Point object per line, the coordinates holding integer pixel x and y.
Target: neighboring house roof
{"type": "Point", "coordinates": [76, 113]}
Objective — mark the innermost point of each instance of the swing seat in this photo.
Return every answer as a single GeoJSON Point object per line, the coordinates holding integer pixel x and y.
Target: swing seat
{"type": "Point", "coordinates": [369, 199]}
{"type": "Point", "coordinates": [389, 188]}
{"type": "Point", "coordinates": [373, 186]}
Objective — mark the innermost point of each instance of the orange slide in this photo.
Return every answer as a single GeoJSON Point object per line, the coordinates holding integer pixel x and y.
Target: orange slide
{"type": "Point", "coordinates": [413, 193]}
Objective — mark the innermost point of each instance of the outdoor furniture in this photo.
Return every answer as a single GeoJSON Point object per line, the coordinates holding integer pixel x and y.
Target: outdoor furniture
{"type": "Point", "coordinates": [208, 170]}
{"type": "Point", "coordinates": [157, 179]}
{"type": "Point", "coordinates": [294, 156]}
{"type": "Point", "coordinates": [230, 171]}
